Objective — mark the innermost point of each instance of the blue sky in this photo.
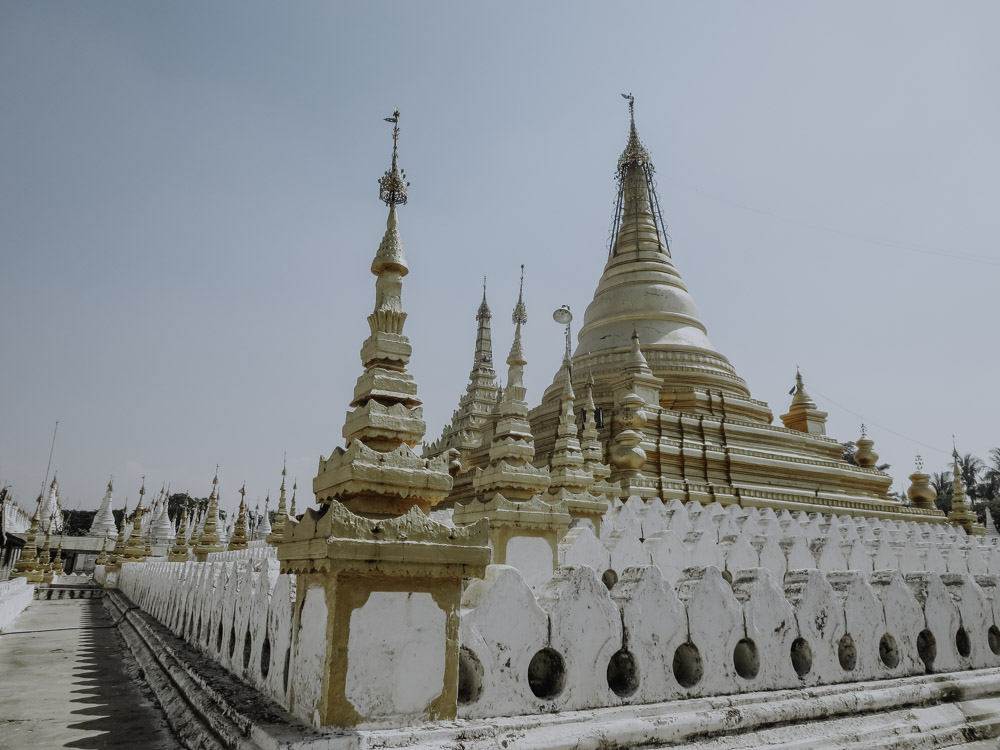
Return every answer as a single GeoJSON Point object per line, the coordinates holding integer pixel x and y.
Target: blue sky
{"type": "Point", "coordinates": [188, 211]}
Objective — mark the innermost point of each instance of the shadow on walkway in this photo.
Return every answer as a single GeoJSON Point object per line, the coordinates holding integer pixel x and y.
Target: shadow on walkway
{"type": "Point", "coordinates": [68, 681]}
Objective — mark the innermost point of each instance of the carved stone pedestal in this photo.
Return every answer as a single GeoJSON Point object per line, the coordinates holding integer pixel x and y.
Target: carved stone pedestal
{"type": "Point", "coordinates": [376, 615]}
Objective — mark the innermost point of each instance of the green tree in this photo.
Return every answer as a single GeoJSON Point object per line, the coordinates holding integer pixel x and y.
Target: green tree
{"type": "Point", "coordinates": [991, 477]}
{"type": "Point", "coordinates": [942, 483]}
{"type": "Point", "coordinates": [77, 522]}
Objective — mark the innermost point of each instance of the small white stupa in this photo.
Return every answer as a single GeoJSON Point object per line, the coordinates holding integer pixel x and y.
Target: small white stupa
{"type": "Point", "coordinates": [264, 527]}
{"type": "Point", "coordinates": [104, 520]}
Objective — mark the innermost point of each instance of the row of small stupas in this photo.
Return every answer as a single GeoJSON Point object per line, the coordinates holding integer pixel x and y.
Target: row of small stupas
{"type": "Point", "coordinates": [192, 538]}
{"type": "Point", "coordinates": [674, 419]}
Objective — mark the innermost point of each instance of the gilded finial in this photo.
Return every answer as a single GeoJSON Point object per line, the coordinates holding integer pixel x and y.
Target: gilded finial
{"type": "Point", "coordinates": [919, 463]}
{"type": "Point", "coordinates": [631, 105]}
{"type": "Point", "coordinates": [484, 309]}
{"type": "Point", "coordinates": [864, 430]}
{"type": "Point", "coordinates": [520, 314]}
{"type": "Point", "coordinates": [393, 185]}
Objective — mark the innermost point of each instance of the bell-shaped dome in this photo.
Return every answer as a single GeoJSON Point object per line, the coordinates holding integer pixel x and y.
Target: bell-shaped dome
{"type": "Point", "coordinates": [642, 292]}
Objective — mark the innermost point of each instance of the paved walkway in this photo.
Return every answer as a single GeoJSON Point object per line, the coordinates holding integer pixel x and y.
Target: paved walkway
{"type": "Point", "coordinates": [65, 681]}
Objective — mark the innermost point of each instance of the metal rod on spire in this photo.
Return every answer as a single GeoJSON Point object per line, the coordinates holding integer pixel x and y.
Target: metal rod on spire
{"type": "Point", "coordinates": [563, 316]}
{"type": "Point", "coordinates": [631, 105]}
{"type": "Point", "coordinates": [52, 449]}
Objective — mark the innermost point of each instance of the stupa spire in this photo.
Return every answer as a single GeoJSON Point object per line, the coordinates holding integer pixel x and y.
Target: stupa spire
{"type": "Point", "coordinates": [208, 540]}
{"type": "Point", "coordinates": [238, 540]}
{"type": "Point", "coordinates": [638, 224]}
{"type": "Point", "coordinates": [278, 529]}
{"type": "Point", "coordinates": [50, 508]}
{"type": "Point", "coordinates": [642, 291]}
{"type": "Point", "coordinates": [102, 559]}
{"type": "Point", "coordinates": [961, 510]}
{"type": "Point", "coordinates": [515, 360]}
{"type": "Point", "coordinates": [162, 529]}
{"type": "Point", "coordinates": [179, 552]}
{"type": "Point", "coordinates": [468, 424]}
{"type": "Point", "coordinates": [803, 414]}
{"type": "Point", "coordinates": [510, 472]}
{"type": "Point", "coordinates": [263, 530]}
{"type": "Point", "coordinates": [135, 550]}
{"type": "Point", "coordinates": [27, 565]}
{"type": "Point", "coordinates": [45, 556]}
{"type": "Point", "coordinates": [104, 519]}
{"type": "Point", "coordinates": [118, 552]}
{"type": "Point", "coordinates": [386, 421]}
{"type": "Point", "coordinates": [566, 467]}
{"type": "Point", "coordinates": [483, 363]}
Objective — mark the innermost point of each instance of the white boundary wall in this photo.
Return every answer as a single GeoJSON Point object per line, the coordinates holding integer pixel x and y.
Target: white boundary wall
{"type": "Point", "coordinates": [15, 595]}
{"type": "Point", "coordinates": [239, 614]}
{"type": "Point", "coordinates": [673, 601]}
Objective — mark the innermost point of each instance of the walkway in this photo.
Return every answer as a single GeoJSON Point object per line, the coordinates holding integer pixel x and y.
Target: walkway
{"type": "Point", "coordinates": [65, 681]}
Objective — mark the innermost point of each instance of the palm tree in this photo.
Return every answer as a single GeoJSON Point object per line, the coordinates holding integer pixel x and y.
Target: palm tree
{"type": "Point", "coordinates": [991, 476]}
{"type": "Point", "coordinates": [942, 483]}
{"type": "Point", "coordinates": [970, 467]}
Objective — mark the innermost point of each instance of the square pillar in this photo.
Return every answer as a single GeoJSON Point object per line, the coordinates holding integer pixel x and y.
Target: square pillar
{"type": "Point", "coordinates": [375, 630]}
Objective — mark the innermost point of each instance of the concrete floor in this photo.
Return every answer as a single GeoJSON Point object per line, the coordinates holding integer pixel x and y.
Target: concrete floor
{"type": "Point", "coordinates": [65, 681]}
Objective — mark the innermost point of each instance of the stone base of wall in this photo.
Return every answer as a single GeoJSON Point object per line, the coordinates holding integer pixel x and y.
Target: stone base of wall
{"type": "Point", "coordinates": [206, 708]}
{"type": "Point", "coordinates": [15, 595]}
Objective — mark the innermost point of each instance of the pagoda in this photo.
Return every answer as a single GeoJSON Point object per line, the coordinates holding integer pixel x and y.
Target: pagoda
{"type": "Point", "coordinates": [675, 418]}
{"type": "Point", "coordinates": [371, 549]}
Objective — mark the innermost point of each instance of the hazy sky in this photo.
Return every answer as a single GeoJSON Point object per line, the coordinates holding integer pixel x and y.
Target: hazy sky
{"type": "Point", "coordinates": [189, 209]}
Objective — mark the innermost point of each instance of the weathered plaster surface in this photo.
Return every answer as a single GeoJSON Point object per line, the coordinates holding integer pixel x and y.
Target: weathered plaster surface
{"type": "Point", "coordinates": [15, 595]}
{"type": "Point", "coordinates": [395, 654]}
{"type": "Point", "coordinates": [533, 557]}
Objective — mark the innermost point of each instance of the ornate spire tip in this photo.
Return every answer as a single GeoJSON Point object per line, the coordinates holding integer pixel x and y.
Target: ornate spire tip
{"type": "Point", "coordinates": [520, 314]}
{"type": "Point", "coordinates": [393, 184]}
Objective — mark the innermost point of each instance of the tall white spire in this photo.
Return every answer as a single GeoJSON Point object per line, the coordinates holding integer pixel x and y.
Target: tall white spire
{"type": "Point", "coordinates": [263, 530]}
{"type": "Point", "coordinates": [162, 530]}
{"type": "Point", "coordinates": [51, 515]}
